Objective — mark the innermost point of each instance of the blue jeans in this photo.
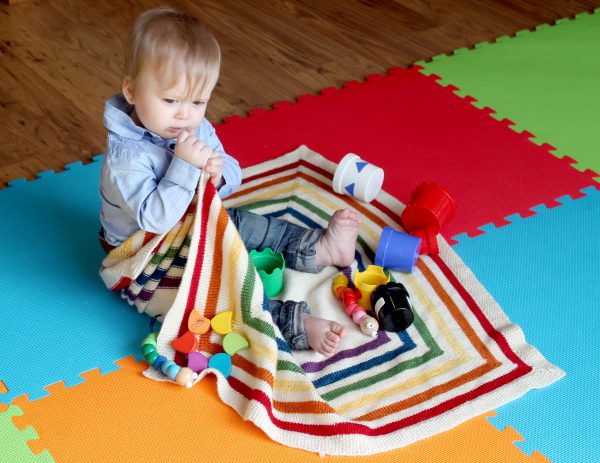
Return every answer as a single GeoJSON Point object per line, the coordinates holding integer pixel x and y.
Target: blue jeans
{"type": "Point", "coordinates": [297, 244]}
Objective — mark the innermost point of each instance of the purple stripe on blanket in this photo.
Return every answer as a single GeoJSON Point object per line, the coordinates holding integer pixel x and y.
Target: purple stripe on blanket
{"type": "Point", "coordinates": [170, 282]}
{"type": "Point", "coordinates": [129, 295]}
{"type": "Point", "coordinates": [348, 272]}
{"type": "Point", "coordinates": [381, 339]}
{"type": "Point", "coordinates": [145, 295]}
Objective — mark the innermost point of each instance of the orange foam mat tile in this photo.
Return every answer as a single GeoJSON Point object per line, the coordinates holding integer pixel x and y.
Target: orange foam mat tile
{"type": "Point", "coordinates": [124, 417]}
{"type": "Point", "coordinates": [3, 390]}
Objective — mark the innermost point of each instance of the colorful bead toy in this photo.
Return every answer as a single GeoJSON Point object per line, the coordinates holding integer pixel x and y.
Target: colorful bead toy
{"type": "Point", "coordinates": [181, 375]}
{"type": "Point", "coordinates": [349, 297]}
{"type": "Point", "coordinates": [188, 344]}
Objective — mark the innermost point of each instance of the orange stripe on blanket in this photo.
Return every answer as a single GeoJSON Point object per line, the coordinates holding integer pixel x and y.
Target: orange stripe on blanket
{"type": "Point", "coordinates": [456, 313]}
{"type": "Point", "coordinates": [312, 407]}
{"type": "Point", "coordinates": [490, 361]}
{"type": "Point", "coordinates": [426, 395]}
{"type": "Point", "coordinates": [214, 288]}
{"type": "Point", "coordinates": [351, 202]}
{"type": "Point", "coordinates": [252, 369]}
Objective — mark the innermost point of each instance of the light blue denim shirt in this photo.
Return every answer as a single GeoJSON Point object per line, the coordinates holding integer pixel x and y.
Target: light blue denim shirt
{"type": "Point", "coordinates": [143, 185]}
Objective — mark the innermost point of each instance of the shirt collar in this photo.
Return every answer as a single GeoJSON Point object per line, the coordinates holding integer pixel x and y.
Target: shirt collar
{"type": "Point", "coordinates": [117, 119]}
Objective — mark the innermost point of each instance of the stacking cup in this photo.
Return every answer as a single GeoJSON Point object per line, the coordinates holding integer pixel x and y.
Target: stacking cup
{"type": "Point", "coordinates": [430, 206]}
{"type": "Point", "coordinates": [270, 267]}
{"type": "Point", "coordinates": [397, 250]}
{"type": "Point", "coordinates": [357, 178]}
{"type": "Point", "coordinates": [367, 281]}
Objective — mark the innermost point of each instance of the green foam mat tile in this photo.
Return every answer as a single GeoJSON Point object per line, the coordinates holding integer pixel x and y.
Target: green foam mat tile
{"type": "Point", "coordinates": [13, 441]}
{"type": "Point", "coordinates": [546, 81]}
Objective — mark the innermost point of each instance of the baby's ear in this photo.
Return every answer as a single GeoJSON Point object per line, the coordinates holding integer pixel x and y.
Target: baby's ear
{"type": "Point", "coordinates": [128, 89]}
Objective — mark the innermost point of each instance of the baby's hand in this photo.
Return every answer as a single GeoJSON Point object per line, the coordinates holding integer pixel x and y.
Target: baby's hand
{"type": "Point", "coordinates": [214, 167]}
{"type": "Point", "coordinates": [191, 149]}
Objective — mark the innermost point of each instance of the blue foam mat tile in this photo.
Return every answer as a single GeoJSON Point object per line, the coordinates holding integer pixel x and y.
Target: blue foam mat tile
{"type": "Point", "coordinates": [544, 271]}
{"type": "Point", "coordinates": [58, 320]}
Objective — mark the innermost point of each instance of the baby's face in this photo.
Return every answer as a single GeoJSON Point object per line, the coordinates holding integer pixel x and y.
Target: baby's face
{"type": "Point", "coordinates": [165, 110]}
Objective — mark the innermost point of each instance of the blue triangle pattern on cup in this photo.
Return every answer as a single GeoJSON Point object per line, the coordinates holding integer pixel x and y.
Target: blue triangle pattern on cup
{"type": "Point", "coordinates": [350, 189]}
{"type": "Point", "coordinates": [361, 165]}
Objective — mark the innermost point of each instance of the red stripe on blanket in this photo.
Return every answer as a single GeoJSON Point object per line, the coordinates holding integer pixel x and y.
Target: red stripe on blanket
{"type": "Point", "coordinates": [293, 165]}
{"type": "Point", "coordinates": [356, 428]}
{"type": "Point", "coordinates": [121, 284]}
{"type": "Point", "coordinates": [209, 194]}
{"type": "Point", "coordinates": [349, 427]}
{"type": "Point", "coordinates": [485, 323]}
{"type": "Point", "coordinates": [520, 370]}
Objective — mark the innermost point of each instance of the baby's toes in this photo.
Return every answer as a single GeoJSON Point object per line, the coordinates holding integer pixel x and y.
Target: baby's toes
{"type": "Point", "coordinates": [327, 350]}
{"type": "Point", "coordinates": [331, 341]}
{"type": "Point", "coordinates": [332, 337]}
{"type": "Point", "coordinates": [337, 330]}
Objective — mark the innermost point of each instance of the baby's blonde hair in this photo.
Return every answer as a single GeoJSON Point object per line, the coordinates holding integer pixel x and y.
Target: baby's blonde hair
{"type": "Point", "coordinates": [174, 45]}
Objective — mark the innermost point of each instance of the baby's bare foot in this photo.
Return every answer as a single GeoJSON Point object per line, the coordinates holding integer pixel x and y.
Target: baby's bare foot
{"type": "Point", "coordinates": [338, 244]}
{"type": "Point", "coordinates": [323, 335]}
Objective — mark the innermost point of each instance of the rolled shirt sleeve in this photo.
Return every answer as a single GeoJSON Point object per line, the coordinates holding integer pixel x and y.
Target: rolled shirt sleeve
{"type": "Point", "coordinates": [143, 184]}
{"type": "Point", "coordinates": [161, 205]}
{"type": "Point", "coordinates": [154, 206]}
{"type": "Point", "coordinates": [232, 173]}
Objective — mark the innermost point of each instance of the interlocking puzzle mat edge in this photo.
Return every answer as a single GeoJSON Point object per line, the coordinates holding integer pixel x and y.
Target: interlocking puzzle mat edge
{"type": "Point", "coordinates": [45, 174]}
{"type": "Point", "coordinates": [491, 69]}
{"type": "Point", "coordinates": [90, 419]}
{"type": "Point", "coordinates": [14, 441]}
{"type": "Point", "coordinates": [258, 118]}
{"type": "Point", "coordinates": [535, 457]}
{"type": "Point", "coordinates": [543, 270]}
{"type": "Point", "coordinates": [54, 300]}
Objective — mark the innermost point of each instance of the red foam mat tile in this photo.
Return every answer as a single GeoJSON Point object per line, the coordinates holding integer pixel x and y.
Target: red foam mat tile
{"type": "Point", "coordinates": [416, 130]}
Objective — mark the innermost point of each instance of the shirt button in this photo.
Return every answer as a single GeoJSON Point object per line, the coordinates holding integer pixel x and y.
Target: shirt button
{"type": "Point", "coordinates": [172, 145]}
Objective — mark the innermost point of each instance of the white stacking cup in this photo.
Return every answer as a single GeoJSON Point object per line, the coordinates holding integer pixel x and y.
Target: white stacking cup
{"type": "Point", "coordinates": [357, 178]}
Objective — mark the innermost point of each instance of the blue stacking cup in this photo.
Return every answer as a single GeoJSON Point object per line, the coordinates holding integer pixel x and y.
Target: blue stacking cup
{"type": "Point", "coordinates": [397, 250]}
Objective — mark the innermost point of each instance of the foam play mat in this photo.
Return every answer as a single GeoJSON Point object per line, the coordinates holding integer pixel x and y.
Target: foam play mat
{"type": "Point", "coordinates": [460, 358]}
{"type": "Point", "coordinates": [71, 373]}
{"type": "Point", "coordinates": [530, 256]}
{"type": "Point", "coordinates": [545, 82]}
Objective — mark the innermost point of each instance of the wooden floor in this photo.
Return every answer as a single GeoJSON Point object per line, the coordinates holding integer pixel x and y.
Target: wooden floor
{"type": "Point", "coordinates": [60, 59]}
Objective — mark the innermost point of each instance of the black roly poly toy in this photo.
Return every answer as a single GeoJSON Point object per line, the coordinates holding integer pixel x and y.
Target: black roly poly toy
{"type": "Point", "coordinates": [391, 303]}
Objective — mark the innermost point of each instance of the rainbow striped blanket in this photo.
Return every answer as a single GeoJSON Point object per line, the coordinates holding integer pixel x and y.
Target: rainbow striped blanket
{"type": "Point", "coordinates": [461, 357]}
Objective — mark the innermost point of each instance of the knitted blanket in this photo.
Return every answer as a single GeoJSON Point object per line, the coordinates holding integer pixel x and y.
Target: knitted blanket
{"type": "Point", "coordinates": [461, 357]}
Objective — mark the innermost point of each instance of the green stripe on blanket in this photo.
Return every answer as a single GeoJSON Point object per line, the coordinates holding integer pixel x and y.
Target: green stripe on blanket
{"type": "Point", "coordinates": [461, 357]}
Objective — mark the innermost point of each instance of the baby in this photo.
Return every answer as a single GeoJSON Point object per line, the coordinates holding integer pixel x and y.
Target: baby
{"type": "Point", "coordinates": [159, 142]}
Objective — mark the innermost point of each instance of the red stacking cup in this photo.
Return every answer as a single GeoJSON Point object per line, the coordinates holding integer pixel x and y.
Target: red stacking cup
{"type": "Point", "coordinates": [429, 243]}
{"type": "Point", "coordinates": [430, 206]}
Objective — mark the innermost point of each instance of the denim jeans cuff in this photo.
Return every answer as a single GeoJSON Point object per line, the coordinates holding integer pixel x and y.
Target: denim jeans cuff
{"type": "Point", "coordinates": [305, 255]}
{"type": "Point", "coordinates": [296, 333]}
{"type": "Point", "coordinates": [289, 318]}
